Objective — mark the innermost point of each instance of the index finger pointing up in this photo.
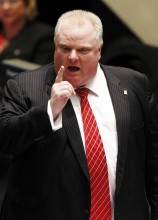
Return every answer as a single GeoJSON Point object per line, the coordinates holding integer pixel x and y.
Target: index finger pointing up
{"type": "Point", "coordinates": [59, 76]}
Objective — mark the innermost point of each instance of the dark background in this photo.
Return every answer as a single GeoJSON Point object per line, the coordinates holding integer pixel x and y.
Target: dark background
{"type": "Point", "coordinates": [113, 27]}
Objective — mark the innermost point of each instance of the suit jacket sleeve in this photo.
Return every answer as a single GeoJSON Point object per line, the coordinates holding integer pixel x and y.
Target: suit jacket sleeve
{"type": "Point", "coordinates": [152, 154]}
{"type": "Point", "coordinates": [22, 124]}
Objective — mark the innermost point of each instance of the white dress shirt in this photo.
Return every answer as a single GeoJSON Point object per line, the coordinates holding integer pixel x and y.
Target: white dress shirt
{"type": "Point", "coordinates": [101, 104]}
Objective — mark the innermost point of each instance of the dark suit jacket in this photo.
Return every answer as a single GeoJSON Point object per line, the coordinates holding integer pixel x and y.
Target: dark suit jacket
{"type": "Point", "coordinates": [49, 175]}
{"type": "Point", "coordinates": [34, 43]}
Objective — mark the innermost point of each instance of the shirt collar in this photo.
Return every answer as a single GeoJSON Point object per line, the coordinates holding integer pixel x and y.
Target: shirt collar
{"type": "Point", "coordinates": [95, 85]}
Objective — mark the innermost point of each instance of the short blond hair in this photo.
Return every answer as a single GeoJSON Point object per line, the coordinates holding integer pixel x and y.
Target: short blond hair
{"type": "Point", "coordinates": [82, 15]}
{"type": "Point", "coordinates": [31, 9]}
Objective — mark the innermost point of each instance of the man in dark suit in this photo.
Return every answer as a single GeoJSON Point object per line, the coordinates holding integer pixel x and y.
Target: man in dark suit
{"type": "Point", "coordinates": [41, 126]}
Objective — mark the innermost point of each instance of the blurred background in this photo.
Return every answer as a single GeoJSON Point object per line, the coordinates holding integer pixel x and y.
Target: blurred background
{"type": "Point", "coordinates": [119, 16]}
{"type": "Point", "coordinates": [130, 40]}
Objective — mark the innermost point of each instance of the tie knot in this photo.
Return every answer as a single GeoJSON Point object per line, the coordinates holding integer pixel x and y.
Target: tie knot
{"type": "Point", "coordinates": [82, 92]}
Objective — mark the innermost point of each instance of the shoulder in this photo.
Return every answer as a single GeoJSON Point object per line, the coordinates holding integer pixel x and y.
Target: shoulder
{"type": "Point", "coordinates": [123, 73]}
{"type": "Point", "coordinates": [120, 71]}
{"type": "Point", "coordinates": [136, 81]}
{"type": "Point", "coordinates": [35, 76]}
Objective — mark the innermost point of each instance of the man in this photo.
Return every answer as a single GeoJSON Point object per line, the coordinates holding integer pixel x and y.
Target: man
{"type": "Point", "coordinates": [41, 126]}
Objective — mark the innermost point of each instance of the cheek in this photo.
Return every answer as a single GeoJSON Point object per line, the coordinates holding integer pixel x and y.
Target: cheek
{"type": "Point", "coordinates": [20, 12]}
{"type": "Point", "coordinates": [59, 59]}
{"type": "Point", "coordinates": [91, 63]}
{"type": "Point", "coordinates": [1, 13]}
{"type": "Point", "coordinates": [20, 15]}
{"type": "Point", "coordinates": [57, 62]}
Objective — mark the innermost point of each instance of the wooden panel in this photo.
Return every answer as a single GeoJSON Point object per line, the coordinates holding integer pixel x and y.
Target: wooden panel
{"type": "Point", "coordinates": [141, 16]}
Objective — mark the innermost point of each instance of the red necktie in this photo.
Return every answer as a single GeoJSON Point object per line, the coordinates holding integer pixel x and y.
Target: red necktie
{"type": "Point", "coordinates": [96, 159]}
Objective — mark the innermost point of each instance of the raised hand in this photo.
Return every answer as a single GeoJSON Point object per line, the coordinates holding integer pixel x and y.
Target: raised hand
{"type": "Point", "coordinates": [60, 93]}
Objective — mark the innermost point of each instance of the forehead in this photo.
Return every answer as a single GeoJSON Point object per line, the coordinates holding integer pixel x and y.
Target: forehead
{"type": "Point", "coordinates": [76, 29]}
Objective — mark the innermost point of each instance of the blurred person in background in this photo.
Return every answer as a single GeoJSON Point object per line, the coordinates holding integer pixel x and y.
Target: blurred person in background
{"type": "Point", "coordinates": [21, 35]}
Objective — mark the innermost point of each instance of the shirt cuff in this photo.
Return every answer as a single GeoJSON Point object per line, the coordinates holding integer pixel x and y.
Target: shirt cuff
{"type": "Point", "coordinates": [57, 123]}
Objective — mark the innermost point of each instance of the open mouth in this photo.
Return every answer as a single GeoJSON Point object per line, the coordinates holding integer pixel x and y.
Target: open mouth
{"type": "Point", "coordinates": [73, 68]}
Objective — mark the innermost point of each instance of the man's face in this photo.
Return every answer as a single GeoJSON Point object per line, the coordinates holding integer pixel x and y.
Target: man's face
{"type": "Point", "coordinates": [77, 50]}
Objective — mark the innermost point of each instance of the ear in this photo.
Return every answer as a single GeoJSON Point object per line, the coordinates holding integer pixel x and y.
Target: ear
{"type": "Point", "coordinates": [100, 50]}
{"type": "Point", "coordinates": [101, 46]}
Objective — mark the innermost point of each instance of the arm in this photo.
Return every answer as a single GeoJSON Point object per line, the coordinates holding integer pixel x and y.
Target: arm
{"type": "Point", "coordinates": [152, 155]}
{"type": "Point", "coordinates": [21, 125]}
{"type": "Point", "coordinates": [23, 120]}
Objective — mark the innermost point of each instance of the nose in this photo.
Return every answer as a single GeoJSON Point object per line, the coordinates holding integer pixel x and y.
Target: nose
{"type": "Point", "coordinates": [73, 56]}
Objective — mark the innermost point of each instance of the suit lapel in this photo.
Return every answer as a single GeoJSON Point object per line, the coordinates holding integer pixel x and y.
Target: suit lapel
{"type": "Point", "coordinates": [119, 96]}
{"type": "Point", "coordinates": [69, 122]}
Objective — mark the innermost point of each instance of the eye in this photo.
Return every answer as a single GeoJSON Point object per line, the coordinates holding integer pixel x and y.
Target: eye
{"type": "Point", "coordinates": [65, 49]}
{"type": "Point", "coordinates": [84, 50]}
